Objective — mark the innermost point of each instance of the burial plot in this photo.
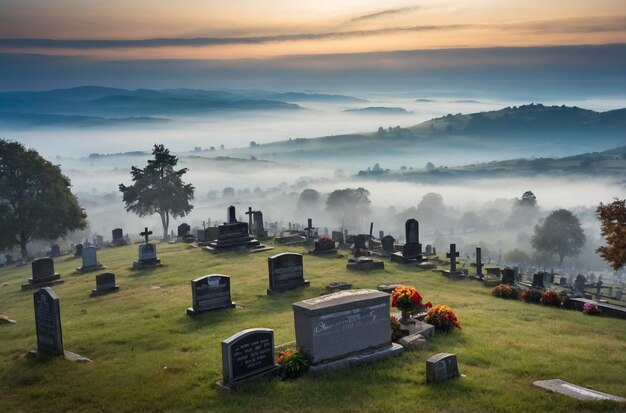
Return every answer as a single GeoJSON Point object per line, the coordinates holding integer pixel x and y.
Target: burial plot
{"type": "Point", "coordinates": [234, 236]}
{"type": "Point", "coordinates": [412, 250]}
{"type": "Point", "coordinates": [290, 237]}
{"type": "Point", "coordinates": [117, 236]}
{"type": "Point", "coordinates": [210, 292]}
{"type": "Point", "coordinates": [105, 284]}
{"type": "Point", "coordinates": [147, 254]}
{"type": "Point", "coordinates": [48, 322]}
{"type": "Point", "coordinates": [286, 272]}
{"type": "Point", "coordinates": [206, 235]}
{"type": "Point", "coordinates": [344, 328]}
{"type": "Point", "coordinates": [453, 272]}
{"type": "Point", "coordinates": [43, 274]}
{"type": "Point", "coordinates": [247, 355]}
{"type": "Point", "coordinates": [90, 261]}
{"type": "Point", "coordinates": [387, 246]}
{"type": "Point", "coordinates": [323, 246]}
{"type": "Point", "coordinates": [364, 264]}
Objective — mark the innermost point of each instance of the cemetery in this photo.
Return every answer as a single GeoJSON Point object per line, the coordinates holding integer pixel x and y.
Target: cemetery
{"type": "Point", "coordinates": [247, 313]}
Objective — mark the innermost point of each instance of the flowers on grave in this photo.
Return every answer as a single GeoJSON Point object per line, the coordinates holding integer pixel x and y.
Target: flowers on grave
{"type": "Point", "coordinates": [551, 298]}
{"type": "Point", "coordinates": [591, 309]}
{"type": "Point", "coordinates": [531, 295]}
{"type": "Point", "coordinates": [396, 333]}
{"type": "Point", "coordinates": [294, 363]}
{"type": "Point", "coordinates": [443, 318]}
{"type": "Point", "coordinates": [504, 291]}
{"type": "Point", "coordinates": [406, 299]}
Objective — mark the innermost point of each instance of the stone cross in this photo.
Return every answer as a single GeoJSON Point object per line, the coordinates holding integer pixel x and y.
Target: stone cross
{"type": "Point", "coordinates": [145, 233]}
{"type": "Point", "coordinates": [452, 255]}
{"type": "Point", "coordinates": [479, 263]}
{"type": "Point", "coordinates": [249, 214]}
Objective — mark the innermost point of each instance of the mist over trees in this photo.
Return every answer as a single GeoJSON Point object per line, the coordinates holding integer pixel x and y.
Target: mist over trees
{"type": "Point", "coordinates": [560, 234]}
{"type": "Point", "coordinates": [349, 206]}
{"type": "Point", "coordinates": [159, 188]}
{"type": "Point", "coordinates": [35, 199]}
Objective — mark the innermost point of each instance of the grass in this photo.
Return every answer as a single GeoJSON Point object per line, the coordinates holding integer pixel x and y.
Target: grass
{"type": "Point", "coordinates": [149, 356]}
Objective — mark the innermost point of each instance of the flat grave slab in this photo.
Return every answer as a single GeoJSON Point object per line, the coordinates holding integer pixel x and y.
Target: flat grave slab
{"type": "Point", "coordinates": [577, 392]}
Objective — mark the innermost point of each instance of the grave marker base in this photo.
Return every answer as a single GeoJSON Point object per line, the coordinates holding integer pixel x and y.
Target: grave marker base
{"type": "Point", "coordinates": [368, 356]}
{"type": "Point", "coordinates": [270, 291]}
{"type": "Point", "coordinates": [455, 275]}
{"type": "Point", "coordinates": [577, 392]}
{"type": "Point", "coordinates": [95, 293]}
{"type": "Point", "coordinates": [231, 387]}
{"type": "Point", "coordinates": [191, 312]}
{"type": "Point", "coordinates": [30, 285]}
{"type": "Point", "coordinates": [90, 269]}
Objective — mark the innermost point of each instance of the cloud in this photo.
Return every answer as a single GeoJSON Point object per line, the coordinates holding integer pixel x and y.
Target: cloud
{"type": "Point", "coordinates": [389, 12]}
{"type": "Point", "coordinates": [589, 24]}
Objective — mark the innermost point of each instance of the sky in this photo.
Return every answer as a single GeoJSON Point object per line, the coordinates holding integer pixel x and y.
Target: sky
{"type": "Point", "coordinates": [85, 40]}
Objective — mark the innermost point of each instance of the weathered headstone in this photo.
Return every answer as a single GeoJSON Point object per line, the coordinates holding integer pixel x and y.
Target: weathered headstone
{"type": "Point", "coordinates": [78, 250]}
{"type": "Point", "coordinates": [388, 243]}
{"type": "Point", "coordinates": [364, 264]}
{"type": "Point", "coordinates": [344, 328]}
{"type": "Point", "coordinates": [48, 322]}
{"type": "Point", "coordinates": [286, 272]}
{"type": "Point", "coordinates": [479, 263]}
{"type": "Point", "coordinates": [412, 250]}
{"type": "Point", "coordinates": [247, 355]}
{"type": "Point", "coordinates": [563, 281]}
{"type": "Point", "coordinates": [105, 283]}
{"type": "Point", "coordinates": [576, 392]}
{"type": "Point", "coordinates": [183, 230]}
{"type": "Point", "coordinates": [42, 274]}
{"type": "Point", "coordinates": [538, 280]}
{"type": "Point", "coordinates": [55, 250]}
{"type": "Point", "coordinates": [147, 253]}
{"type": "Point", "coordinates": [508, 276]}
{"type": "Point", "coordinates": [452, 272]}
{"type": "Point", "coordinates": [441, 367]}
{"type": "Point", "coordinates": [337, 236]}
{"type": "Point", "coordinates": [117, 236]}
{"type": "Point", "coordinates": [323, 245]}
{"type": "Point", "coordinates": [579, 285]}
{"type": "Point", "coordinates": [90, 260]}
{"type": "Point", "coordinates": [258, 228]}
{"type": "Point", "coordinates": [360, 246]}
{"type": "Point", "coordinates": [210, 292]}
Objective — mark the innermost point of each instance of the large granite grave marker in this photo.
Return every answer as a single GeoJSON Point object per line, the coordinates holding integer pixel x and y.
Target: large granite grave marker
{"type": "Point", "coordinates": [183, 230]}
{"type": "Point", "coordinates": [479, 263]}
{"type": "Point", "coordinates": [210, 292]}
{"type": "Point", "coordinates": [286, 272]}
{"type": "Point", "coordinates": [233, 235]}
{"type": "Point", "coordinates": [344, 328]}
{"type": "Point", "coordinates": [412, 250]}
{"type": "Point", "coordinates": [105, 284]}
{"type": "Point", "coordinates": [147, 253]}
{"type": "Point", "coordinates": [117, 236]}
{"type": "Point", "coordinates": [247, 355]}
{"type": "Point", "coordinates": [42, 274]}
{"type": "Point", "coordinates": [48, 322]}
{"type": "Point", "coordinates": [55, 250]}
{"type": "Point", "coordinates": [90, 260]}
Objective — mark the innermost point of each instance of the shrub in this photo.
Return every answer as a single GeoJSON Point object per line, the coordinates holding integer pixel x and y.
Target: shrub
{"type": "Point", "coordinates": [443, 318]}
{"type": "Point", "coordinates": [294, 363]}
{"type": "Point", "coordinates": [531, 296]}
{"type": "Point", "coordinates": [504, 291]}
{"type": "Point", "coordinates": [591, 309]}
{"type": "Point", "coordinates": [551, 298]}
{"type": "Point", "coordinates": [396, 333]}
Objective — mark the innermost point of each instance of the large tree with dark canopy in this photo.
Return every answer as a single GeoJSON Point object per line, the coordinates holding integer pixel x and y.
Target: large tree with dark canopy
{"type": "Point", "coordinates": [349, 205]}
{"type": "Point", "coordinates": [559, 234]}
{"type": "Point", "coordinates": [35, 199]}
{"type": "Point", "coordinates": [613, 225]}
{"type": "Point", "coordinates": [159, 189]}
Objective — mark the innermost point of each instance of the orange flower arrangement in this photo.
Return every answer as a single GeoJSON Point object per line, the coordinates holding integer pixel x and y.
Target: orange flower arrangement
{"type": "Point", "coordinates": [443, 318]}
{"type": "Point", "coordinates": [406, 298]}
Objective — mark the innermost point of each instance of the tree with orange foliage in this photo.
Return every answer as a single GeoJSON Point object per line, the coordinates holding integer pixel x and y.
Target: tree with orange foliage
{"type": "Point", "coordinates": [613, 224]}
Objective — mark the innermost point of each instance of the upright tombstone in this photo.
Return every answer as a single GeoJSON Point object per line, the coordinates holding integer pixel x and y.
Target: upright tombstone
{"type": "Point", "coordinates": [508, 276]}
{"type": "Point", "coordinates": [105, 284]}
{"type": "Point", "coordinates": [310, 231]}
{"type": "Point", "coordinates": [453, 272]}
{"type": "Point", "coordinates": [247, 355]}
{"type": "Point", "coordinates": [323, 246]}
{"type": "Point", "coordinates": [579, 285]}
{"type": "Point", "coordinates": [117, 236]}
{"type": "Point", "coordinates": [538, 280]}
{"type": "Point", "coordinates": [258, 228]}
{"type": "Point", "coordinates": [78, 250]}
{"type": "Point", "coordinates": [90, 260]}
{"type": "Point", "coordinates": [412, 250]}
{"type": "Point", "coordinates": [98, 241]}
{"type": "Point", "coordinates": [210, 292]}
{"type": "Point", "coordinates": [43, 274]}
{"type": "Point", "coordinates": [563, 282]}
{"type": "Point", "coordinates": [441, 367]}
{"type": "Point", "coordinates": [337, 236]}
{"type": "Point", "coordinates": [183, 230]}
{"type": "Point", "coordinates": [147, 254]}
{"type": "Point", "coordinates": [286, 272]}
{"type": "Point", "coordinates": [233, 235]}
{"type": "Point", "coordinates": [344, 328]}
{"type": "Point", "coordinates": [360, 247]}
{"type": "Point", "coordinates": [55, 250]}
{"type": "Point", "coordinates": [429, 250]}
{"type": "Point", "coordinates": [479, 263]}
{"type": "Point", "coordinates": [48, 322]}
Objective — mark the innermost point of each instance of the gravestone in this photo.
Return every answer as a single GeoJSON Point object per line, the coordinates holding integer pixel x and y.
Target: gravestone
{"type": "Point", "coordinates": [364, 264]}
{"type": "Point", "coordinates": [258, 228]}
{"type": "Point", "coordinates": [247, 355]}
{"type": "Point", "coordinates": [508, 276]}
{"type": "Point", "coordinates": [441, 367]}
{"type": "Point", "coordinates": [453, 272]}
{"type": "Point", "coordinates": [412, 249]}
{"type": "Point", "coordinates": [183, 230]}
{"type": "Point", "coordinates": [494, 272]}
{"type": "Point", "coordinates": [105, 283]}
{"type": "Point", "coordinates": [310, 231]}
{"type": "Point", "coordinates": [337, 236]}
{"type": "Point", "coordinates": [48, 322]}
{"type": "Point", "coordinates": [90, 260]}
{"type": "Point", "coordinates": [98, 241]}
{"type": "Point", "coordinates": [381, 235]}
{"type": "Point", "coordinates": [43, 274]}
{"type": "Point", "coordinates": [210, 292]}
{"type": "Point", "coordinates": [286, 272]}
{"type": "Point", "coordinates": [388, 244]}
{"type": "Point", "coordinates": [579, 285]}
{"type": "Point", "coordinates": [234, 236]}
{"type": "Point", "coordinates": [147, 254]}
{"type": "Point", "coordinates": [563, 282]}
{"type": "Point", "coordinates": [360, 247]}
{"type": "Point", "coordinates": [429, 250]}
{"type": "Point", "coordinates": [344, 328]}
{"type": "Point", "coordinates": [55, 250]}
{"type": "Point", "coordinates": [118, 238]}
{"type": "Point", "coordinates": [479, 263]}
{"type": "Point", "coordinates": [78, 250]}
{"type": "Point", "coordinates": [323, 245]}
{"type": "Point", "coordinates": [538, 280]}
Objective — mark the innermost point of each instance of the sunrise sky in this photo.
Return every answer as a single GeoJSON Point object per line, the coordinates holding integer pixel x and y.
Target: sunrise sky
{"type": "Point", "coordinates": [253, 43]}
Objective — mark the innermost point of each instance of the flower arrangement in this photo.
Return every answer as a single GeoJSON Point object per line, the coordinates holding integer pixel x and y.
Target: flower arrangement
{"type": "Point", "coordinates": [293, 362]}
{"type": "Point", "coordinates": [552, 298]}
{"type": "Point", "coordinates": [504, 291]}
{"type": "Point", "coordinates": [443, 318]}
{"type": "Point", "coordinates": [591, 309]}
{"type": "Point", "coordinates": [396, 333]}
{"type": "Point", "coordinates": [406, 299]}
{"type": "Point", "coordinates": [531, 295]}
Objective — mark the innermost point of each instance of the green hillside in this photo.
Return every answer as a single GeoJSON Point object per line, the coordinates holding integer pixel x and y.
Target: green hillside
{"type": "Point", "coordinates": [148, 355]}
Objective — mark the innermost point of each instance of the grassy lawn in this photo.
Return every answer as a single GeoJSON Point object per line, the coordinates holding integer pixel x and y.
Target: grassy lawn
{"type": "Point", "coordinates": [148, 355]}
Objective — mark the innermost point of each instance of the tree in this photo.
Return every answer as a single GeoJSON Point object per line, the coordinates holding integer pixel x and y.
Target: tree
{"type": "Point", "coordinates": [528, 200]}
{"type": "Point", "coordinates": [349, 205]}
{"type": "Point", "coordinates": [560, 234]}
{"type": "Point", "coordinates": [308, 199]}
{"type": "Point", "coordinates": [35, 199]}
{"type": "Point", "coordinates": [158, 188]}
{"type": "Point", "coordinates": [613, 225]}
{"type": "Point", "coordinates": [517, 256]}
